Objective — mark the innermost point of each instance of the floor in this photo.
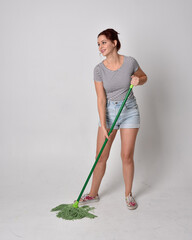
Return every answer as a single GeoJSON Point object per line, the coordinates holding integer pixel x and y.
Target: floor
{"type": "Point", "coordinates": [163, 213]}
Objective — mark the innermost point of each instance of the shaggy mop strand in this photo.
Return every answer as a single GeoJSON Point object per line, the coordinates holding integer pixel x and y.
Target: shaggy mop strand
{"type": "Point", "coordinates": [68, 212]}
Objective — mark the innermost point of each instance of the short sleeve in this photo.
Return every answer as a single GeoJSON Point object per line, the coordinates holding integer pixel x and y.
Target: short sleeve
{"type": "Point", "coordinates": [135, 65]}
{"type": "Point", "coordinates": [97, 75]}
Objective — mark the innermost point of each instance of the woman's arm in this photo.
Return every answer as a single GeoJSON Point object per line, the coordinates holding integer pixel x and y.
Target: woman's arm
{"type": "Point", "coordinates": [101, 104]}
{"type": "Point", "coordinates": [138, 78]}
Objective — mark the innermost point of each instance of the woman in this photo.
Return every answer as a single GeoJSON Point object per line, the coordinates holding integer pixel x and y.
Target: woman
{"type": "Point", "coordinates": [112, 78]}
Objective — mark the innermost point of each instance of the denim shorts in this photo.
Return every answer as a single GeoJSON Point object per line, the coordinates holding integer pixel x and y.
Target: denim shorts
{"type": "Point", "coordinates": [129, 117]}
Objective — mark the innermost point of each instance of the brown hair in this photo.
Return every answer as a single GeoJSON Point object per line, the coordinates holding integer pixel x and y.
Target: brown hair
{"type": "Point", "coordinates": [112, 35]}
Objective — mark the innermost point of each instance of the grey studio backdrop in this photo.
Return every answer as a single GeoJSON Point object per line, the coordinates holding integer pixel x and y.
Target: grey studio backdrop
{"type": "Point", "coordinates": [49, 118]}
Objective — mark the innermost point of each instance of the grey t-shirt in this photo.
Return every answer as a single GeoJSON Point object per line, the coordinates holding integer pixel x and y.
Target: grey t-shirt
{"type": "Point", "coordinates": [116, 83]}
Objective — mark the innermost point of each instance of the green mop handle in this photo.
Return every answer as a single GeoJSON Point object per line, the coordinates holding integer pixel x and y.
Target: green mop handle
{"type": "Point", "coordinates": [106, 140]}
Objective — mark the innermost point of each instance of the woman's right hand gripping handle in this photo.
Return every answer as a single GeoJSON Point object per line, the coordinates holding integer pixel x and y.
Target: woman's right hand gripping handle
{"type": "Point", "coordinates": [105, 132]}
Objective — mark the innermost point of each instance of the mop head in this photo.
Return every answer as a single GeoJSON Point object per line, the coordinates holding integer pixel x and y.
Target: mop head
{"type": "Point", "coordinates": [73, 212]}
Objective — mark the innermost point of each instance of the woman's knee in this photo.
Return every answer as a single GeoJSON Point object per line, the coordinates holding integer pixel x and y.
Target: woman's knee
{"type": "Point", "coordinates": [103, 158]}
{"type": "Point", "coordinates": [127, 158]}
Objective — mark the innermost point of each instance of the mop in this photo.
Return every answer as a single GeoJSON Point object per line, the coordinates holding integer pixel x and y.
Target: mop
{"type": "Point", "coordinates": [73, 211]}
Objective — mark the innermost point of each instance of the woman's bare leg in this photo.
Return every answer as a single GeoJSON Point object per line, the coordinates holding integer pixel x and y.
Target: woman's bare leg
{"type": "Point", "coordinates": [101, 164]}
{"type": "Point", "coordinates": [128, 138]}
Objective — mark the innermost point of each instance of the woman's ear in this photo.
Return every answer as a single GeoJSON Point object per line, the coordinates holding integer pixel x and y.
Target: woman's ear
{"type": "Point", "coordinates": [115, 43]}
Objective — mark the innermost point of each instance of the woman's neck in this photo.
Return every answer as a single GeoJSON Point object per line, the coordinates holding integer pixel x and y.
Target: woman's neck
{"type": "Point", "coordinates": [113, 59]}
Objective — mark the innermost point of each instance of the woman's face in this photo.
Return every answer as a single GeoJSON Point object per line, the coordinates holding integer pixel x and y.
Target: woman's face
{"type": "Point", "coordinates": [105, 45]}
